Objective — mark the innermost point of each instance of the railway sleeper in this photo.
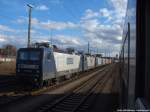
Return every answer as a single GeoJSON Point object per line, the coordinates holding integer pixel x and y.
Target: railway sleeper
{"type": "Point", "coordinates": [66, 105]}
{"type": "Point", "coordinates": [71, 101]}
{"type": "Point", "coordinates": [60, 109]}
{"type": "Point", "coordinates": [57, 110]}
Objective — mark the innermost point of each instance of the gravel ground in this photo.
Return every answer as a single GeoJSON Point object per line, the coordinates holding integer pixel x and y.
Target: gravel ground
{"type": "Point", "coordinates": [33, 102]}
{"type": "Point", "coordinates": [107, 99]}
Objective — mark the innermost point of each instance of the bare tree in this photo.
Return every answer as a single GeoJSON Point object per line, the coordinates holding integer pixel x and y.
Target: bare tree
{"type": "Point", "coordinates": [9, 50]}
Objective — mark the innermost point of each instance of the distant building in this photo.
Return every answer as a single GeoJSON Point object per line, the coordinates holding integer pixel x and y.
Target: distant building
{"type": "Point", "coordinates": [1, 52]}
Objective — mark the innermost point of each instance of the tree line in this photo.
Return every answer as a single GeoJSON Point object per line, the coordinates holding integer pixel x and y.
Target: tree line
{"type": "Point", "coordinates": [8, 50]}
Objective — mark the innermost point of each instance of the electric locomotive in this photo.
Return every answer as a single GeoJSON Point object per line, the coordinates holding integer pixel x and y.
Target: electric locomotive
{"type": "Point", "coordinates": [41, 64]}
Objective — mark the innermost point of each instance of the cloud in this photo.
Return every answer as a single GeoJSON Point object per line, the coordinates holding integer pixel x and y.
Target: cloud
{"type": "Point", "coordinates": [53, 25]}
{"type": "Point", "coordinates": [104, 37]}
{"type": "Point", "coordinates": [6, 28]}
{"type": "Point", "coordinates": [90, 25]}
{"type": "Point", "coordinates": [104, 12]}
{"type": "Point", "coordinates": [119, 5]}
{"type": "Point", "coordinates": [40, 38]}
{"type": "Point", "coordinates": [90, 14]}
{"type": "Point", "coordinates": [2, 39]}
{"type": "Point", "coordinates": [119, 9]}
{"type": "Point", "coordinates": [95, 29]}
{"type": "Point", "coordinates": [17, 40]}
{"type": "Point", "coordinates": [47, 25]}
{"type": "Point", "coordinates": [20, 21]}
{"type": "Point", "coordinates": [35, 21]}
{"type": "Point", "coordinates": [60, 40]}
{"type": "Point", "coordinates": [103, 28]}
{"type": "Point", "coordinates": [42, 8]}
{"type": "Point", "coordinates": [68, 40]}
{"type": "Point", "coordinates": [58, 25]}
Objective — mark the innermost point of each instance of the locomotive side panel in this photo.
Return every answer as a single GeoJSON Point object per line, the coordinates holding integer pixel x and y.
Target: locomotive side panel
{"type": "Point", "coordinates": [66, 63]}
{"type": "Point", "coordinates": [90, 62]}
{"type": "Point", "coordinates": [29, 64]}
{"type": "Point", "coordinates": [98, 61]}
{"type": "Point", "coordinates": [49, 68]}
{"type": "Point", "coordinates": [103, 61]}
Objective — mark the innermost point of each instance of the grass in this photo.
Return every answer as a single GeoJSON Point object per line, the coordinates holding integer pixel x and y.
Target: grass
{"type": "Point", "coordinates": [8, 67]}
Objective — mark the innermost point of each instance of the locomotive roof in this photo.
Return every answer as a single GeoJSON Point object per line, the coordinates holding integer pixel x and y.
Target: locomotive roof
{"type": "Point", "coordinates": [58, 51]}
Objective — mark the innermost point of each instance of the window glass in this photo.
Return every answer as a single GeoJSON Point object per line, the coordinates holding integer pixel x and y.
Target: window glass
{"type": "Point", "coordinates": [34, 55]}
{"type": "Point", "coordinates": [23, 56]}
{"type": "Point", "coordinates": [29, 55]}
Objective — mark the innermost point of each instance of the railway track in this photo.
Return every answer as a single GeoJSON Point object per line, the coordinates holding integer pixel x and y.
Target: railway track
{"type": "Point", "coordinates": [7, 86]}
{"type": "Point", "coordinates": [77, 100]}
{"type": "Point", "coordinates": [7, 100]}
{"type": "Point", "coordinates": [6, 82]}
{"type": "Point", "coordinates": [86, 105]}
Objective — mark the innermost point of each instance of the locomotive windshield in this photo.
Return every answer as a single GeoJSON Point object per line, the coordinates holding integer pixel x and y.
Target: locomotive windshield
{"type": "Point", "coordinates": [29, 55]}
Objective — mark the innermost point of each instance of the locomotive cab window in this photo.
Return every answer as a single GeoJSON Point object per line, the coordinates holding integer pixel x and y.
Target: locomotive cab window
{"type": "Point", "coordinates": [34, 55]}
{"type": "Point", "coordinates": [23, 55]}
{"type": "Point", "coordinates": [29, 55]}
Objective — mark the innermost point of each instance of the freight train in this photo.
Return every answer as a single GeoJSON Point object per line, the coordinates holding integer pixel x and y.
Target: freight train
{"type": "Point", "coordinates": [43, 65]}
{"type": "Point", "coordinates": [135, 58]}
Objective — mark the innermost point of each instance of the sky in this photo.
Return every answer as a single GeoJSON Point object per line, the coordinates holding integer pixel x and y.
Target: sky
{"type": "Point", "coordinates": [66, 23]}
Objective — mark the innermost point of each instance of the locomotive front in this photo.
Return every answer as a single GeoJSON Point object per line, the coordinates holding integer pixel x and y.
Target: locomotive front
{"type": "Point", "coordinates": [29, 65]}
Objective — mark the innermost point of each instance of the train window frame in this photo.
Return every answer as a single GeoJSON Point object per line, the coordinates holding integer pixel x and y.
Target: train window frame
{"type": "Point", "coordinates": [143, 98]}
{"type": "Point", "coordinates": [147, 52]}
